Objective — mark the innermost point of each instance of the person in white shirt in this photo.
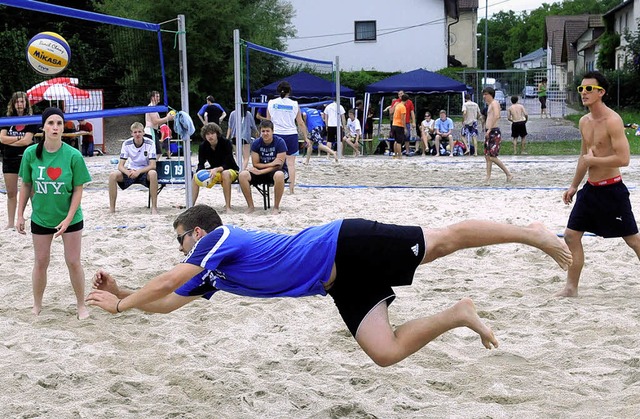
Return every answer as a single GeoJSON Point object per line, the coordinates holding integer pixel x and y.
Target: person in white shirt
{"type": "Point", "coordinates": [470, 113]}
{"type": "Point", "coordinates": [427, 131]}
{"type": "Point", "coordinates": [354, 132]}
{"type": "Point", "coordinates": [137, 165]}
{"type": "Point", "coordinates": [331, 122]}
{"type": "Point", "coordinates": [285, 115]}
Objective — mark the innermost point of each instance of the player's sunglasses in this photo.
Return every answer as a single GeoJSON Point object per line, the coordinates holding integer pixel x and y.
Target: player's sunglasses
{"type": "Point", "coordinates": [180, 237]}
{"type": "Point", "coordinates": [588, 88]}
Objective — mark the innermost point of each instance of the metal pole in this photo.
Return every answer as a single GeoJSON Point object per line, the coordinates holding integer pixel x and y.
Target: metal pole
{"type": "Point", "coordinates": [238, 94]}
{"type": "Point", "coordinates": [184, 95]}
{"type": "Point", "coordinates": [339, 137]}
{"type": "Point", "coordinates": [486, 39]}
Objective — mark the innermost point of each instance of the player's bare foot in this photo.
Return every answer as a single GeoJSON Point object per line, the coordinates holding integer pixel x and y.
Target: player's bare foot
{"type": "Point", "coordinates": [567, 291]}
{"type": "Point", "coordinates": [509, 178]}
{"type": "Point", "coordinates": [249, 210]}
{"type": "Point", "coordinates": [36, 310]}
{"type": "Point", "coordinates": [83, 312]}
{"type": "Point", "coordinates": [549, 243]}
{"type": "Point", "coordinates": [275, 211]}
{"type": "Point", "coordinates": [154, 211]}
{"type": "Point", "coordinates": [467, 316]}
{"type": "Point", "coordinates": [228, 210]}
{"type": "Point", "coordinates": [486, 182]}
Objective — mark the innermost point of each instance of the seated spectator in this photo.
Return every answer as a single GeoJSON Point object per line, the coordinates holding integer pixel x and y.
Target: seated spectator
{"type": "Point", "coordinates": [354, 132]}
{"type": "Point", "coordinates": [444, 131]}
{"type": "Point", "coordinates": [268, 157]}
{"type": "Point", "coordinates": [137, 165]}
{"type": "Point", "coordinates": [217, 152]}
{"type": "Point", "coordinates": [427, 133]}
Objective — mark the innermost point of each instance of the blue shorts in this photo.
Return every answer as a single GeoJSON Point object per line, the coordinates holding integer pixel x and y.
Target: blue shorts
{"type": "Point", "coordinates": [604, 211]}
{"type": "Point", "coordinates": [127, 181]}
{"type": "Point", "coordinates": [292, 144]}
{"type": "Point", "coordinates": [315, 135]}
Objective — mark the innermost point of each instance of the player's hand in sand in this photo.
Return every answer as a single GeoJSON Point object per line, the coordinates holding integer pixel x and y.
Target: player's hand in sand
{"type": "Point", "coordinates": [103, 299]}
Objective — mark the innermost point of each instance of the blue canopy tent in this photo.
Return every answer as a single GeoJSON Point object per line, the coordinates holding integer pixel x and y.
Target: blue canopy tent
{"type": "Point", "coordinates": [305, 85]}
{"type": "Point", "coordinates": [418, 81]}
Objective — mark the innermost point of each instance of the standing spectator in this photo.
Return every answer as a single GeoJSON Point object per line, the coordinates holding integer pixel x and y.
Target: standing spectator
{"type": "Point", "coordinates": [398, 126]}
{"type": "Point", "coordinates": [218, 152]}
{"type": "Point", "coordinates": [269, 166]}
{"type": "Point", "coordinates": [211, 112]}
{"type": "Point", "coordinates": [354, 133]}
{"type": "Point", "coordinates": [15, 140]}
{"type": "Point", "coordinates": [542, 97]}
{"type": "Point", "coordinates": [410, 117]}
{"type": "Point", "coordinates": [165, 139]}
{"type": "Point", "coordinates": [137, 165]}
{"type": "Point", "coordinates": [285, 115]}
{"type": "Point", "coordinates": [315, 126]}
{"type": "Point", "coordinates": [53, 174]}
{"type": "Point", "coordinates": [444, 131]}
{"type": "Point", "coordinates": [331, 122]}
{"type": "Point", "coordinates": [87, 139]}
{"type": "Point", "coordinates": [427, 132]}
{"type": "Point", "coordinates": [368, 125]}
{"type": "Point", "coordinates": [153, 121]}
{"type": "Point", "coordinates": [470, 115]}
{"type": "Point", "coordinates": [248, 133]}
{"type": "Point", "coordinates": [492, 136]}
{"type": "Point", "coordinates": [518, 116]}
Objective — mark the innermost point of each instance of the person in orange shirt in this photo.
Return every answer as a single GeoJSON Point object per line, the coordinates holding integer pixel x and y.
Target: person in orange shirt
{"type": "Point", "coordinates": [398, 126]}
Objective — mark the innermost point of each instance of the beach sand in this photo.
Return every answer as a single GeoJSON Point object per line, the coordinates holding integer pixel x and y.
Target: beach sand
{"type": "Point", "coordinates": [235, 357]}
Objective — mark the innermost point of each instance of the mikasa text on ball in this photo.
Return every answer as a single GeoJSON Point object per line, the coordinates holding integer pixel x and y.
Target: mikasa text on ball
{"type": "Point", "coordinates": [48, 53]}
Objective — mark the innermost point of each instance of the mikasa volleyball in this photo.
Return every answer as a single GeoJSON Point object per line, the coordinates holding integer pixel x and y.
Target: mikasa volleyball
{"type": "Point", "coordinates": [48, 53]}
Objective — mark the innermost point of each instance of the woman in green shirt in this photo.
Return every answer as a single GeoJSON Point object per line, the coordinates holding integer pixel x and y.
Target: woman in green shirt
{"type": "Point", "coordinates": [542, 97]}
{"type": "Point", "coordinates": [54, 173]}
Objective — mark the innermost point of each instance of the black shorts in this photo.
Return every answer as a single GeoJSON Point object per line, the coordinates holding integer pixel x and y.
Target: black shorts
{"type": "Point", "coordinates": [543, 102]}
{"type": "Point", "coordinates": [332, 134]}
{"type": "Point", "coordinates": [398, 134]}
{"type": "Point", "coordinates": [519, 129]}
{"type": "Point", "coordinates": [604, 211]}
{"type": "Point", "coordinates": [266, 178]}
{"type": "Point", "coordinates": [44, 231]}
{"type": "Point", "coordinates": [372, 257]}
{"type": "Point", "coordinates": [11, 164]}
{"type": "Point", "coordinates": [127, 181]}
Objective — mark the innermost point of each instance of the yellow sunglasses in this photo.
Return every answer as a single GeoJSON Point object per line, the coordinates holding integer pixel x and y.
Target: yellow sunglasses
{"type": "Point", "coordinates": [589, 88]}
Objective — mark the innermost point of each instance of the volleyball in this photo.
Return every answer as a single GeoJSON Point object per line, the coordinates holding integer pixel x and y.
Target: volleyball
{"type": "Point", "coordinates": [203, 178]}
{"type": "Point", "coordinates": [48, 53]}
{"type": "Point", "coordinates": [172, 113]}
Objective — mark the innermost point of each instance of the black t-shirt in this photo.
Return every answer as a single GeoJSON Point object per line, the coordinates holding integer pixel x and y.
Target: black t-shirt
{"type": "Point", "coordinates": [221, 156]}
{"type": "Point", "coordinates": [213, 113]}
{"type": "Point", "coordinates": [10, 151]}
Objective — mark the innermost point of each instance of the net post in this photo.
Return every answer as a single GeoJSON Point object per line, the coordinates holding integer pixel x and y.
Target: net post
{"type": "Point", "coordinates": [339, 132]}
{"type": "Point", "coordinates": [184, 97]}
{"type": "Point", "coordinates": [238, 95]}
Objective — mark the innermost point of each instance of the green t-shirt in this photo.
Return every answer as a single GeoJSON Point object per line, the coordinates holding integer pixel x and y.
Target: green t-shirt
{"type": "Point", "coordinates": [53, 178]}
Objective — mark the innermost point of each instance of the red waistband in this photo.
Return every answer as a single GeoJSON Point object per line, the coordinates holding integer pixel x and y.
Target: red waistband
{"type": "Point", "coordinates": [606, 182]}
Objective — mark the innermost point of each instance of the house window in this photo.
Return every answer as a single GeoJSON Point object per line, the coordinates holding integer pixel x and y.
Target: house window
{"type": "Point", "coordinates": [365, 30]}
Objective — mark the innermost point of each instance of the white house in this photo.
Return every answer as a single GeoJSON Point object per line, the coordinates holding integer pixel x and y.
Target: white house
{"type": "Point", "coordinates": [625, 19]}
{"type": "Point", "coordinates": [535, 59]}
{"type": "Point", "coordinates": [374, 34]}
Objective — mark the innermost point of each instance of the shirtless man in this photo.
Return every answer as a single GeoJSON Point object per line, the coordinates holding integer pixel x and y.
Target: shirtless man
{"type": "Point", "coordinates": [518, 116]}
{"type": "Point", "coordinates": [492, 136]}
{"type": "Point", "coordinates": [602, 205]}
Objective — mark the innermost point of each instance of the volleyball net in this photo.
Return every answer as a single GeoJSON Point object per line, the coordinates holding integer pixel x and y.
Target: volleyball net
{"type": "Point", "coordinates": [115, 63]}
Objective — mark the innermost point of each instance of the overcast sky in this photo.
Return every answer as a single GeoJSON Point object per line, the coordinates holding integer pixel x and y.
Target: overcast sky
{"type": "Point", "coordinates": [515, 5]}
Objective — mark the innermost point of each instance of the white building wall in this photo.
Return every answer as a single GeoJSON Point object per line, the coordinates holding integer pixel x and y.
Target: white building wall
{"type": "Point", "coordinates": [325, 29]}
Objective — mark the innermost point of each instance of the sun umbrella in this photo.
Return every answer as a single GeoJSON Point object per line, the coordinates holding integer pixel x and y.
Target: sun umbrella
{"type": "Point", "coordinates": [56, 89]}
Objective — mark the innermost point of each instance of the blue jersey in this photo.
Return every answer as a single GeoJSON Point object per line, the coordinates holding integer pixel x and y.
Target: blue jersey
{"type": "Point", "coordinates": [314, 118]}
{"type": "Point", "coordinates": [262, 264]}
{"type": "Point", "coordinates": [269, 152]}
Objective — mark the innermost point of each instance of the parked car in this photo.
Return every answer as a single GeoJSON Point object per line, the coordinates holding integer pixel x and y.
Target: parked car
{"type": "Point", "coordinates": [529, 91]}
{"type": "Point", "coordinates": [502, 100]}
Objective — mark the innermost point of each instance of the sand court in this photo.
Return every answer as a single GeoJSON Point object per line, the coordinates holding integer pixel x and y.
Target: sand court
{"type": "Point", "coordinates": [236, 357]}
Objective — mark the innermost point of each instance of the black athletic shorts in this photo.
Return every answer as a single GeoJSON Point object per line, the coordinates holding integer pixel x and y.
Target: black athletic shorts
{"type": "Point", "coordinates": [127, 181]}
{"type": "Point", "coordinates": [11, 164]}
{"type": "Point", "coordinates": [399, 134]}
{"type": "Point", "coordinates": [372, 257]}
{"type": "Point", "coordinates": [604, 211]}
{"type": "Point", "coordinates": [519, 129]}
{"type": "Point", "coordinates": [43, 231]}
{"type": "Point", "coordinates": [332, 134]}
{"type": "Point", "coordinates": [266, 178]}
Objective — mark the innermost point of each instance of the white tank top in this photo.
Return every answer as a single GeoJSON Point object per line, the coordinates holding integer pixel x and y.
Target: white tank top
{"type": "Point", "coordinates": [283, 113]}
